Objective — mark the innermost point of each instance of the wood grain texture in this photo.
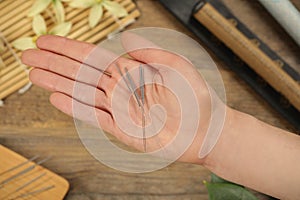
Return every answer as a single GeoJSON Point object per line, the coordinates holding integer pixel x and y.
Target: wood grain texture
{"type": "Point", "coordinates": [249, 52]}
{"type": "Point", "coordinates": [59, 186]}
{"type": "Point", "coordinates": [29, 124]}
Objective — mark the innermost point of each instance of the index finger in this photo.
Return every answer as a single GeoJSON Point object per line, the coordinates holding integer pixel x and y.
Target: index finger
{"type": "Point", "coordinates": [82, 52]}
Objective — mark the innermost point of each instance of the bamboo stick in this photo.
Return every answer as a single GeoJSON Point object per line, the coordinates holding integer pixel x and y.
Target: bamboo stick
{"type": "Point", "coordinates": [13, 88]}
{"type": "Point", "coordinates": [4, 4]}
{"type": "Point", "coordinates": [12, 81]}
{"type": "Point", "coordinates": [73, 12]}
{"type": "Point", "coordinates": [16, 27]}
{"type": "Point", "coordinates": [11, 18]}
{"type": "Point", "coordinates": [104, 33]}
{"type": "Point", "coordinates": [7, 69]}
{"type": "Point", "coordinates": [26, 30]}
{"type": "Point", "coordinates": [78, 22]}
{"type": "Point", "coordinates": [97, 29]}
{"type": "Point", "coordinates": [68, 8]}
{"type": "Point", "coordinates": [10, 67]}
{"type": "Point", "coordinates": [12, 73]}
{"type": "Point", "coordinates": [9, 6]}
{"type": "Point", "coordinates": [84, 27]}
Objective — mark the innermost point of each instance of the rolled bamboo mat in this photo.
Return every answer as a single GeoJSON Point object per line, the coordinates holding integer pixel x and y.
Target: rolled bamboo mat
{"type": "Point", "coordinates": [14, 24]}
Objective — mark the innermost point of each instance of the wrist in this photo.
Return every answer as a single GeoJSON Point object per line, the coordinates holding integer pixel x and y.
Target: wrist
{"type": "Point", "coordinates": [230, 139]}
{"type": "Point", "coordinates": [254, 154]}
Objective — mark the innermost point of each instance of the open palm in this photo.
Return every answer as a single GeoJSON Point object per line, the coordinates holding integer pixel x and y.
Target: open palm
{"type": "Point", "coordinates": [84, 84]}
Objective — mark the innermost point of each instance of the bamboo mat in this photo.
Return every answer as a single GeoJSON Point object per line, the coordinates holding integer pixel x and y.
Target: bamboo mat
{"type": "Point", "coordinates": [14, 24]}
{"type": "Point", "coordinates": [57, 185]}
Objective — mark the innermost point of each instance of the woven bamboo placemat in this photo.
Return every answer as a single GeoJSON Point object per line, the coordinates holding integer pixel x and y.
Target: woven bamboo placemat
{"type": "Point", "coordinates": [14, 24]}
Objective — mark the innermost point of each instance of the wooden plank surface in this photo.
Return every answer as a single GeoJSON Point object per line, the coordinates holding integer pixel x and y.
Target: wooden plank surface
{"type": "Point", "coordinates": [50, 185]}
{"type": "Point", "coordinates": [29, 124]}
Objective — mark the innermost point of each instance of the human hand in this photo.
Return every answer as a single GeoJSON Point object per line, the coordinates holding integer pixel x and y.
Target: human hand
{"type": "Point", "coordinates": [58, 68]}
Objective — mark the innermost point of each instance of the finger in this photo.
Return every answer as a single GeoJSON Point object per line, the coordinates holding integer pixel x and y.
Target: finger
{"type": "Point", "coordinates": [145, 51]}
{"type": "Point", "coordinates": [80, 51]}
{"type": "Point", "coordinates": [86, 94]}
{"type": "Point", "coordinates": [82, 112]}
{"type": "Point", "coordinates": [93, 116]}
{"type": "Point", "coordinates": [65, 67]}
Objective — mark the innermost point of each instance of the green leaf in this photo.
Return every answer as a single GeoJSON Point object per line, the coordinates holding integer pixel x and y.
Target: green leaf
{"type": "Point", "coordinates": [95, 15]}
{"type": "Point", "coordinates": [215, 179]}
{"type": "Point", "coordinates": [61, 29]}
{"type": "Point", "coordinates": [39, 25]}
{"type": "Point", "coordinates": [115, 8]}
{"type": "Point", "coordinates": [228, 191]}
{"type": "Point", "coordinates": [59, 11]}
{"type": "Point", "coordinates": [82, 3]}
{"type": "Point", "coordinates": [38, 7]}
{"type": "Point", "coordinates": [24, 43]}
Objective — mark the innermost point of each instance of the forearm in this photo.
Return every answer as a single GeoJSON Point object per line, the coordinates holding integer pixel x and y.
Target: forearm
{"type": "Point", "coordinates": [257, 155]}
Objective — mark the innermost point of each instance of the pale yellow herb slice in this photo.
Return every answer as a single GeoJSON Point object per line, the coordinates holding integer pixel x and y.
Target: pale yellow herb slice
{"type": "Point", "coordinates": [24, 43]}
{"type": "Point", "coordinates": [95, 15]}
{"type": "Point", "coordinates": [115, 8]}
{"type": "Point", "coordinates": [38, 6]}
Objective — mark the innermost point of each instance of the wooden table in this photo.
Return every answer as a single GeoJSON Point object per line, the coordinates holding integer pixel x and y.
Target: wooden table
{"type": "Point", "coordinates": [29, 125]}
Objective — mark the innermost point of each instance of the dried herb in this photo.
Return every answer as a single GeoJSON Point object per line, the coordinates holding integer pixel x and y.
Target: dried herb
{"type": "Point", "coordinates": [39, 28]}
{"type": "Point", "coordinates": [40, 5]}
{"type": "Point", "coordinates": [96, 11]}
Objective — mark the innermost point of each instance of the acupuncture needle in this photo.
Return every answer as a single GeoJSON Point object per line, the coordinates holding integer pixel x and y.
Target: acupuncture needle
{"type": "Point", "coordinates": [129, 85]}
{"type": "Point", "coordinates": [132, 86]}
{"type": "Point", "coordinates": [44, 189]}
{"type": "Point", "coordinates": [131, 82]}
{"type": "Point", "coordinates": [20, 165]}
{"type": "Point", "coordinates": [142, 85]}
{"type": "Point", "coordinates": [97, 68]}
{"type": "Point", "coordinates": [28, 169]}
{"type": "Point", "coordinates": [30, 182]}
{"type": "Point", "coordinates": [121, 74]}
{"type": "Point", "coordinates": [26, 184]}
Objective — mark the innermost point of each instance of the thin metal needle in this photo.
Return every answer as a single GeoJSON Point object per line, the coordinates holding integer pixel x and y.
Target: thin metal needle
{"type": "Point", "coordinates": [144, 131]}
{"type": "Point", "coordinates": [20, 165]}
{"type": "Point", "coordinates": [28, 169]}
{"type": "Point", "coordinates": [142, 85]}
{"type": "Point", "coordinates": [26, 184]}
{"type": "Point", "coordinates": [132, 84]}
{"type": "Point", "coordinates": [106, 73]}
{"type": "Point", "coordinates": [97, 68]}
{"type": "Point", "coordinates": [30, 182]}
{"type": "Point", "coordinates": [34, 192]}
{"type": "Point", "coordinates": [121, 74]}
